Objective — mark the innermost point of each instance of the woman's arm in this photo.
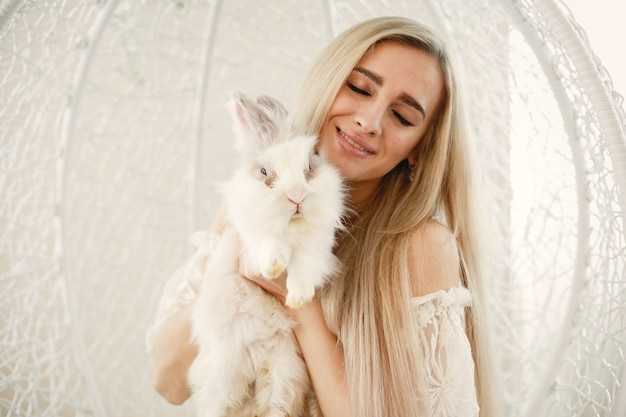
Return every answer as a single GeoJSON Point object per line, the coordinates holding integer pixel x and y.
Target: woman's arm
{"type": "Point", "coordinates": [324, 359]}
{"type": "Point", "coordinates": [173, 353]}
{"type": "Point", "coordinates": [434, 262]}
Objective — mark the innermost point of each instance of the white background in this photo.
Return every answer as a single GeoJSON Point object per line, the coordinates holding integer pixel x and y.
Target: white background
{"type": "Point", "coordinates": [603, 21]}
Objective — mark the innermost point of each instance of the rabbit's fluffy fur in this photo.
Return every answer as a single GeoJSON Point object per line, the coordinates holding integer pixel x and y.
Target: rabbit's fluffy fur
{"type": "Point", "coordinates": [283, 205]}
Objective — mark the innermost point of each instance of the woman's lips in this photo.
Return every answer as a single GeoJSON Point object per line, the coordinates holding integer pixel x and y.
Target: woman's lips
{"type": "Point", "coordinates": [352, 142]}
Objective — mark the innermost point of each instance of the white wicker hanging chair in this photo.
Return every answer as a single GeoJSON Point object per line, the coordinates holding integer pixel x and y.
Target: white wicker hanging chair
{"type": "Point", "coordinates": [112, 132]}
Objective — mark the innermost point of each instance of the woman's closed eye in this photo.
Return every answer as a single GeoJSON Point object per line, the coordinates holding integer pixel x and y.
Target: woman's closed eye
{"type": "Point", "coordinates": [402, 120]}
{"type": "Point", "coordinates": [358, 90]}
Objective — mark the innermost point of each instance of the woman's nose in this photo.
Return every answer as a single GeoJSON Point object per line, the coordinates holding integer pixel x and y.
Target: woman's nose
{"type": "Point", "coordinates": [370, 118]}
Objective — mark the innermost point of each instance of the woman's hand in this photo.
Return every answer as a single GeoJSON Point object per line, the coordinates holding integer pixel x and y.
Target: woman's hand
{"type": "Point", "coordinates": [276, 287]}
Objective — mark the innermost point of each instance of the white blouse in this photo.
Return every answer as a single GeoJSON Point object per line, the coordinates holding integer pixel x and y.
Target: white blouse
{"type": "Point", "coordinates": [448, 364]}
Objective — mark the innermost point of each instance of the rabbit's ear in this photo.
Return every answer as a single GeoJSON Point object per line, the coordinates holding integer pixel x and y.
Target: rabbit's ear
{"type": "Point", "coordinates": [273, 108]}
{"type": "Point", "coordinates": [256, 122]}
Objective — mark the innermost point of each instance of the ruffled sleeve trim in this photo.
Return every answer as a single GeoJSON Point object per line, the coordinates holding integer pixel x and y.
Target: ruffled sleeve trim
{"type": "Point", "coordinates": [439, 302]}
{"type": "Point", "coordinates": [455, 296]}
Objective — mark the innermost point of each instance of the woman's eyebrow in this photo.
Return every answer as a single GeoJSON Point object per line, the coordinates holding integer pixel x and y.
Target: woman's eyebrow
{"type": "Point", "coordinates": [405, 98]}
{"type": "Point", "coordinates": [378, 80]}
{"type": "Point", "coordinates": [410, 101]}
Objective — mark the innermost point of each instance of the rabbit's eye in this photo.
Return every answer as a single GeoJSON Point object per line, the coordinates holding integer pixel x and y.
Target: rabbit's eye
{"type": "Point", "coordinates": [269, 178]}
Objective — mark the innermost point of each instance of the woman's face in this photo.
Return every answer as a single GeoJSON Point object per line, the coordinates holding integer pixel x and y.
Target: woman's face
{"type": "Point", "coordinates": [380, 113]}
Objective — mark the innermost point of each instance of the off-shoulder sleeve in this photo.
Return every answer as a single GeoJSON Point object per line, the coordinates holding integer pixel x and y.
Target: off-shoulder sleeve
{"type": "Point", "coordinates": [182, 287]}
{"type": "Point", "coordinates": [448, 363]}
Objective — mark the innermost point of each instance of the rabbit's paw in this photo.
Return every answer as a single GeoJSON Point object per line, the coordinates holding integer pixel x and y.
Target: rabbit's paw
{"type": "Point", "coordinates": [299, 295]}
{"type": "Point", "coordinates": [274, 269]}
{"type": "Point", "coordinates": [273, 259]}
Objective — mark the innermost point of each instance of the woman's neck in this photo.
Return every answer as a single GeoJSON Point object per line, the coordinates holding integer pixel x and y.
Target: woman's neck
{"type": "Point", "coordinates": [360, 193]}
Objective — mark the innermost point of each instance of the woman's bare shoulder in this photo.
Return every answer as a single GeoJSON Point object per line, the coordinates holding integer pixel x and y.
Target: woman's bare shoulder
{"type": "Point", "coordinates": [433, 259]}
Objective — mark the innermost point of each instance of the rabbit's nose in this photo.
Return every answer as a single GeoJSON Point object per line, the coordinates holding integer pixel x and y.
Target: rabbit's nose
{"type": "Point", "coordinates": [297, 195]}
{"type": "Point", "coordinates": [297, 203]}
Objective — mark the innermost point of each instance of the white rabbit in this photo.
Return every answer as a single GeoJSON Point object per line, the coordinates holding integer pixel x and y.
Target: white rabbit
{"type": "Point", "coordinates": [283, 206]}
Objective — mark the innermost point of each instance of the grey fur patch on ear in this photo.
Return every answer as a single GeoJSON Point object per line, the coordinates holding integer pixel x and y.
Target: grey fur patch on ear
{"type": "Point", "coordinates": [258, 120]}
{"type": "Point", "coordinates": [274, 108]}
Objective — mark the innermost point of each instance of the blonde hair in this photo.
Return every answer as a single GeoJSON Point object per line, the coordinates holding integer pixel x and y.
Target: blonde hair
{"type": "Point", "coordinates": [369, 306]}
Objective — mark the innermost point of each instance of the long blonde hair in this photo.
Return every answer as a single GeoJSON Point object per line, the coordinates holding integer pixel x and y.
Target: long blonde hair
{"type": "Point", "coordinates": [369, 305]}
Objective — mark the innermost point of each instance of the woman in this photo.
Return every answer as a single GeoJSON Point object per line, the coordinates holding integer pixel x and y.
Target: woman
{"type": "Point", "coordinates": [394, 335]}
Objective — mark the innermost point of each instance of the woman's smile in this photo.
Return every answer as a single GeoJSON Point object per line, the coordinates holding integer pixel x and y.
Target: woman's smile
{"type": "Point", "coordinates": [354, 144]}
